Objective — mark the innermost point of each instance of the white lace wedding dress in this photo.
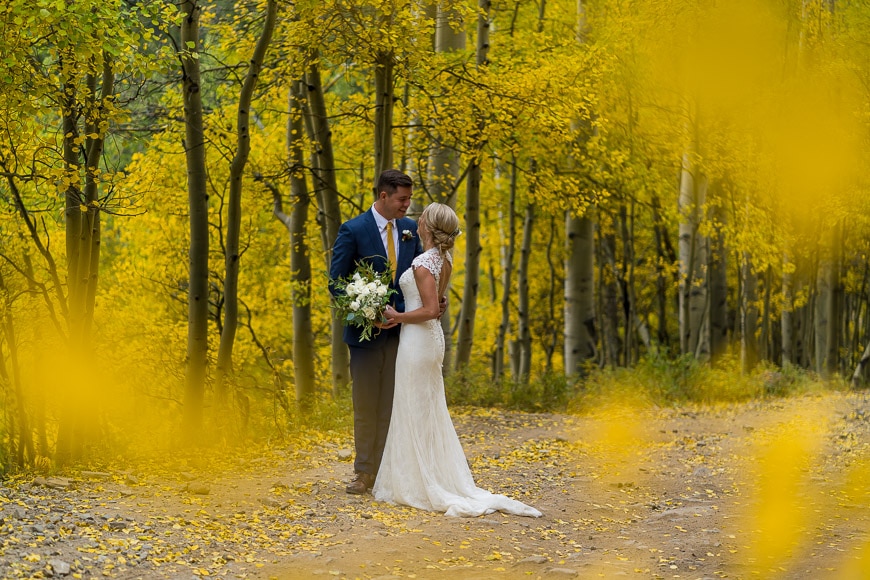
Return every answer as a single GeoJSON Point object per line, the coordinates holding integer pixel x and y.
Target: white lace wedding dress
{"type": "Point", "coordinates": [424, 465]}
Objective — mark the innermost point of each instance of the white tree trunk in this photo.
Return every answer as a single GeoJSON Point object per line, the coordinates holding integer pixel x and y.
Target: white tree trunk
{"type": "Point", "coordinates": [580, 337]}
{"type": "Point", "coordinates": [858, 375]}
{"type": "Point", "coordinates": [444, 162]}
{"type": "Point", "coordinates": [694, 295]}
{"type": "Point", "coordinates": [443, 169]}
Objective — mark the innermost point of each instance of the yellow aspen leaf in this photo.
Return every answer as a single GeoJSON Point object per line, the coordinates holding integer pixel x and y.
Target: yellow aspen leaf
{"type": "Point", "coordinates": [83, 207]}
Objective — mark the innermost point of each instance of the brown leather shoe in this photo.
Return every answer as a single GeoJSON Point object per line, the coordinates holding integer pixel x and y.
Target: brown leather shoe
{"type": "Point", "coordinates": [361, 483]}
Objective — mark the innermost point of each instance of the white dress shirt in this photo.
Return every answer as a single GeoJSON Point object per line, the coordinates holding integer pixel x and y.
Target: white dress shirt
{"type": "Point", "coordinates": [382, 227]}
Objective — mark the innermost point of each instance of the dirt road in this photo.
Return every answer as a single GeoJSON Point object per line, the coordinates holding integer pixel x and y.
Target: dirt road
{"type": "Point", "coordinates": [773, 489]}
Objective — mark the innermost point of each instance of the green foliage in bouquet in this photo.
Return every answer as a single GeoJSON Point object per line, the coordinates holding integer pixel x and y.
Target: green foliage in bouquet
{"type": "Point", "coordinates": [362, 298]}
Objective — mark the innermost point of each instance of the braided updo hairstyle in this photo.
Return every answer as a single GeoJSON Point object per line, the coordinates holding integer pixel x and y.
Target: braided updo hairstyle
{"type": "Point", "coordinates": [443, 225]}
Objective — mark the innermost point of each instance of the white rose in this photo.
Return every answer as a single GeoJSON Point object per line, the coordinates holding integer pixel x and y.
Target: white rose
{"type": "Point", "coordinates": [382, 290]}
{"type": "Point", "coordinates": [354, 305]}
{"type": "Point", "coordinates": [369, 312]}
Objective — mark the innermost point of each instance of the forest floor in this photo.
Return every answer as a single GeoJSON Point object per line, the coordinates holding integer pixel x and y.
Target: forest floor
{"type": "Point", "coordinates": [765, 489]}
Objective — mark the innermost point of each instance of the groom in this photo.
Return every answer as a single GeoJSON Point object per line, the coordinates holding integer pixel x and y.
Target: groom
{"type": "Point", "coordinates": [380, 236]}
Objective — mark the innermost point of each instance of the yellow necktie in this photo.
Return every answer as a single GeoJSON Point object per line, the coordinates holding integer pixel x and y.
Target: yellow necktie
{"type": "Point", "coordinates": [391, 249]}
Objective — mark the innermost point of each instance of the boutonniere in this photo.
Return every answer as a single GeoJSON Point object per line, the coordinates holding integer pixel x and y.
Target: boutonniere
{"type": "Point", "coordinates": [407, 235]}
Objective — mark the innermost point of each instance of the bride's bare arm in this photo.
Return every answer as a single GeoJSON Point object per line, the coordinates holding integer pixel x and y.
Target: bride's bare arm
{"type": "Point", "coordinates": [428, 295]}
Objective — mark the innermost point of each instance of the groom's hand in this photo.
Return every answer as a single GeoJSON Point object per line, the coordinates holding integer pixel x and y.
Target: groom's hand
{"type": "Point", "coordinates": [442, 306]}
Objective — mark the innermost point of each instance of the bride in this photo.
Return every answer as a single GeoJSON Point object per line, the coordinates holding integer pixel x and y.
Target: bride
{"type": "Point", "coordinates": [424, 465]}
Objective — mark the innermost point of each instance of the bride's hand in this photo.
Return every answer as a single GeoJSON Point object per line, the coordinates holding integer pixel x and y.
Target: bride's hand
{"type": "Point", "coordinates": [389, 318]}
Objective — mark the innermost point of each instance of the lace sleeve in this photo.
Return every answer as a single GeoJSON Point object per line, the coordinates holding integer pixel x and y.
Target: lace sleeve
{"type": "Point", "coordinates": [432, 261]}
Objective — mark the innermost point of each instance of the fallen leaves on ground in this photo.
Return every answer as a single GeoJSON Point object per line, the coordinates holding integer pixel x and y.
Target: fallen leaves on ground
{"type": "Point", "coordinates": [767, 487]}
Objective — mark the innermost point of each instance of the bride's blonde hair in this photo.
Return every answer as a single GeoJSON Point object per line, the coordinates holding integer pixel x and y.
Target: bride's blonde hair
{"type": "Point", "coordinates": [443, 225]}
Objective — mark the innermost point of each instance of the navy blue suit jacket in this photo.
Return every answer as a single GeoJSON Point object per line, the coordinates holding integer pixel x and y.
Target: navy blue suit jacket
{"type": "Point", "coordinates": [360, 240]}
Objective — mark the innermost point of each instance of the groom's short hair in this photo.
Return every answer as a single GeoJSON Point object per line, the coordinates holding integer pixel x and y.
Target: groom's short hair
{"type": "Point", "coordinates": [392, 179]}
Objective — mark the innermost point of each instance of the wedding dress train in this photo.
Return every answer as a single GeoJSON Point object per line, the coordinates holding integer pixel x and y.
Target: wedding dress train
{"type": "Point", "coordinates": [424, 465]}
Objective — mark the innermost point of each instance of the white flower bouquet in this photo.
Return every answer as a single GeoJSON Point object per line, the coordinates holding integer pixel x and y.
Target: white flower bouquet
{"type": "Point", "coordinates": [362, 298]}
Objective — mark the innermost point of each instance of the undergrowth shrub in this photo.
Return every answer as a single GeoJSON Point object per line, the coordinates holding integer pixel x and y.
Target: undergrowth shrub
{"type": "Point", "coordinates": [665, 381]}
{"type": "Point", "coordinates": [474, 386]}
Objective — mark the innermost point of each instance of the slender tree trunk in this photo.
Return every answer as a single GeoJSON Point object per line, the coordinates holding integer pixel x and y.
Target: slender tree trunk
{"type": "Point", "coordinates": [67, 446]}
{"type": "Point", "coordinates": [74, 199]}
{"type": "Point", "coordinates": [661, 277]}
{"type": "Point", "coordinates": [580, 339]}
{"type": "Point", "coordinates": [765, 347]}
{"type": "Point", "coordinates": [524, 314]}
{"type": "Point", "coordinates": [629, 340]}
{"type": "Point", "coordinates": [787, 315]}
{"type": "Point", "coordinates": [384, 91]}
{"type": "Point", "coordinates": [300, 263]}
{"type": "Point", "coordinates": [94, 147]}
{"type": "Point", "coordinates": [808, 319]}
{"type": "Point", "coordinates": [858, 312]}
{"type": "Point", "coordinates": [443, 164]}
{"type": "Point", "coordinates": [26, 451]}
{"type": "Point", "coordinates": [472, 267]}
{"type": "Point", "coordinates": [234, 210]}
{"type": "Point", "coordinates": [834, 306]}
{"type": "Point", "coordinates": [718, 283]}
{"type": "Point", "coordinates": [632, 320]}
{"type": "Point", "coordinates": [507, 273]}
{"type": "Point", "coordinates": [473, 249]}
{"type": "Point", "coordinates": [555, 282]}
{"type": "Point", "coordinates": [803, 329]}
{"type": "Point", "coordinates": [328, 199]}
{"type": "Point", "coordinates": [194, 148]}
{"type": "Point", "coordinates": [749, 316]}
{"type": "Point", "coordinates": [694, 322]}
{"type": "Point", "coordinates": [607, 275]}
{"type": "Point", "coordinates": [824, 290]}
{"type": "Point", "coordinates": [38, 396]}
